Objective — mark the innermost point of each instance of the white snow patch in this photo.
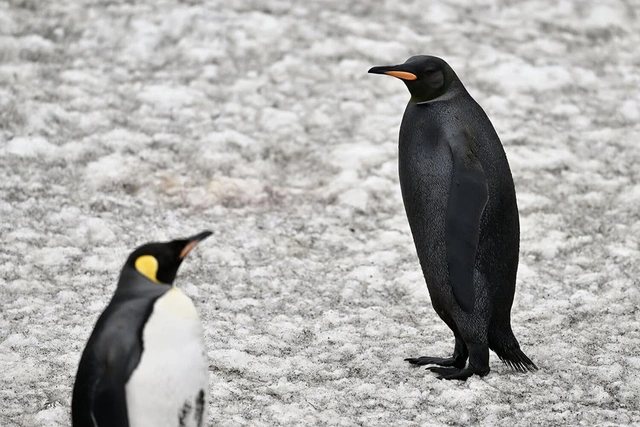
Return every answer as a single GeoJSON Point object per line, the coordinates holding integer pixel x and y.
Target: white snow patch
{"type": "Point", "coordinates": [243, 191]}
{"type": "Point", "coordinates": [522, 77]}
{"type": "Point", "coordinates": [604, 16]}
{"type": "Point", "coordinates": [356, 198]}
{"type": "Point", "coordinates": [124, 139]}
{"type": "Point", "coordinates": [278, 121]}
{"type": "Point", "coordinates": [168, 97]}
{"type": "Point", "coordinates": [259, 121]}
{"type": "Point", "coordinates": [55, 256]}
{"type": "Point", "coordinates": [52, 417]}
{"type": "Point", "coordinates": [109, 170]}
{"type": "Point", "coordinates": [358, 156]}
{"type": "Point", "coordinates": [36, 45]}
{"type": "Point", "coordinates": [232, 359]}
{"type": "Point", "coordinates": [630, 195]}
{"type": "Point", "coordinates": [93, 231]}
{"type": "Point", "coordinates": [630, 110]}
{"type": "Point", "coordinates": [31, 147]}
{"type": "Point", "coordinates": [525, 157]}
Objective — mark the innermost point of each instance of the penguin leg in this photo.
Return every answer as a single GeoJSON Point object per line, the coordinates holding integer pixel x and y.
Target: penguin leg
{"type": "Point", "coordinates": [478, 364]}
{"type": "Point", "coordinates": [459, 359]}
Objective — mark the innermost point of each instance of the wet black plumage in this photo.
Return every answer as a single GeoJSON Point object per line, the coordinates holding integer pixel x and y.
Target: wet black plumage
{"type": "Point", "coordinates": [460, 201]}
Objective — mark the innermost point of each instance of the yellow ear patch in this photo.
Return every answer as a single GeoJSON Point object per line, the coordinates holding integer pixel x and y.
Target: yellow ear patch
{"type": "Point", "coordinates": [147, 265]}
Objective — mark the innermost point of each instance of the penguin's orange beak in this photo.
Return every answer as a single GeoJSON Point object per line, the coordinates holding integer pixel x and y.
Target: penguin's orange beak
{"type": "Point", "coordinates": [393, 71]}
{"type": "Point", "coordinates": [193, 241]}
{"type": "Point", "coordinates": [404, 75]}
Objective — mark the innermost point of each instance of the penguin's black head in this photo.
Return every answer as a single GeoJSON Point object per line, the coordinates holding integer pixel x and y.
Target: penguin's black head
{"type": "Point", "coordinates": [159, 262]}
{"type": "Point", "coordinates": [426, 77]}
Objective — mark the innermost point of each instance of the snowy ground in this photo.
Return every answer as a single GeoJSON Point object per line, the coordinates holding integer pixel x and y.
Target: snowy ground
{"type": "Point", "coordinates": [123, 122]}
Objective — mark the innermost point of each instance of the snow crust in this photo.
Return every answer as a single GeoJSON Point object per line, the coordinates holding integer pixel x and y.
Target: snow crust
{"type": "Point", "coordinates": [127, 122]}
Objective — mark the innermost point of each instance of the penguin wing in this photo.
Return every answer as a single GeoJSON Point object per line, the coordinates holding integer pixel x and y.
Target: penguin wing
{"type": "Point", "coordinates": [468, 196]}
{"type": "Point", "coordinates": [109, 407]}
{"type": "Point", "coordinates": [117, 352]}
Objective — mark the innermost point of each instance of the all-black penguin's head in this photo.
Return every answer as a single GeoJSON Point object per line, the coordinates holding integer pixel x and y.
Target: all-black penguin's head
{"type": "Point", "coordinates": [426, 77]}
{"type": "Point", "coordinates": [159, 262]}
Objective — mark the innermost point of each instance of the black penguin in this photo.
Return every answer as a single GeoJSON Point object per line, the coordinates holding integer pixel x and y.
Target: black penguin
{"type": "Point", "coordinates": [145, 361]}
{"type": "Point", "coordinates": [461, 204]}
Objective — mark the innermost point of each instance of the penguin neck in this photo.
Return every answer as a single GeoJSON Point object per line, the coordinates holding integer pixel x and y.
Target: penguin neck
{"type": "Point", "coordinates": [444, 94]}
{"type": "Point", "coordinates": [132, 282]}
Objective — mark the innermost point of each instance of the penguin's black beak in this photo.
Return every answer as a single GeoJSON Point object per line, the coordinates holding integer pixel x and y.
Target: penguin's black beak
{"type": "Point", "coordinates": [193, 241]}
{"type": "Point", "coordinates": [395, 71]}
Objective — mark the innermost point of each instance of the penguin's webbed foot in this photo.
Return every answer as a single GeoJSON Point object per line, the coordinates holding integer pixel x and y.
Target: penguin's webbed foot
{"type": "Point", "coordinates": [444, 373]}
{"type": "Point", "coordinates": [426, 360]}
{"type": "Point", "coordinates": [452, 373]}
{"type": "Point", "coordinates": [457, 374]}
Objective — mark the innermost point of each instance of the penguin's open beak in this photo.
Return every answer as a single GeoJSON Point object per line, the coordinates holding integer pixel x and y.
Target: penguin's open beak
{"type": "Point", "coordinates": [395, 71]}
{"type": "Point", "coordinates": [193, 241]}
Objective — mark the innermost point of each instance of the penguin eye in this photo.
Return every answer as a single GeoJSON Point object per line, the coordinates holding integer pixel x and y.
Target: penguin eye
{"type": "Point", "coordinates": [147, 265]}
{"type": "Point", "coordinates": [435, 78]}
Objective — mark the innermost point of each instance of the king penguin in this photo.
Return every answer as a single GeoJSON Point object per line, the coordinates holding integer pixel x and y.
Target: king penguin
{"type": "Point", "coordinates": [145, 364]}
{"type": "Point", "coordinates": [460, 201]}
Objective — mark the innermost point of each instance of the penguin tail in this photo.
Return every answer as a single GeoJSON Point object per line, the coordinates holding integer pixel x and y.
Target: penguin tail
{"type": "Point", "coordinates": [516, 359]}
{"type": "Point", "coordinates": [508, 350]}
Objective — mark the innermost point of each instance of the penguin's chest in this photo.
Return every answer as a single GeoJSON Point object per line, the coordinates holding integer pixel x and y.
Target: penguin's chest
{"type": "Point", "coordinates": [169, 387]}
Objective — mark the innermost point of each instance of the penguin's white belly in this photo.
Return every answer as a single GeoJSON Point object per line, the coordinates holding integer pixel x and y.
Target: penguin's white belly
{"type": "Point", "coordinates": [170, 386]}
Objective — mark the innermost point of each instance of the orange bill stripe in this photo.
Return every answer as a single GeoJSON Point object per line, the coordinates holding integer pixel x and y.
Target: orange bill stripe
{"type": "Point", "coordinates": [404, 75]}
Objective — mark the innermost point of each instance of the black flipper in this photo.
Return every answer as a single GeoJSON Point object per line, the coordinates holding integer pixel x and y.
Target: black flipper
{"type": "Point", "coordinates": [110, 403]}
{"type": "Point", "coordinates": [111, 355]}
{"type": "Point", "coordinates": [99, 398]}
{"type": "Point", "coordinates": [468, 196]}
